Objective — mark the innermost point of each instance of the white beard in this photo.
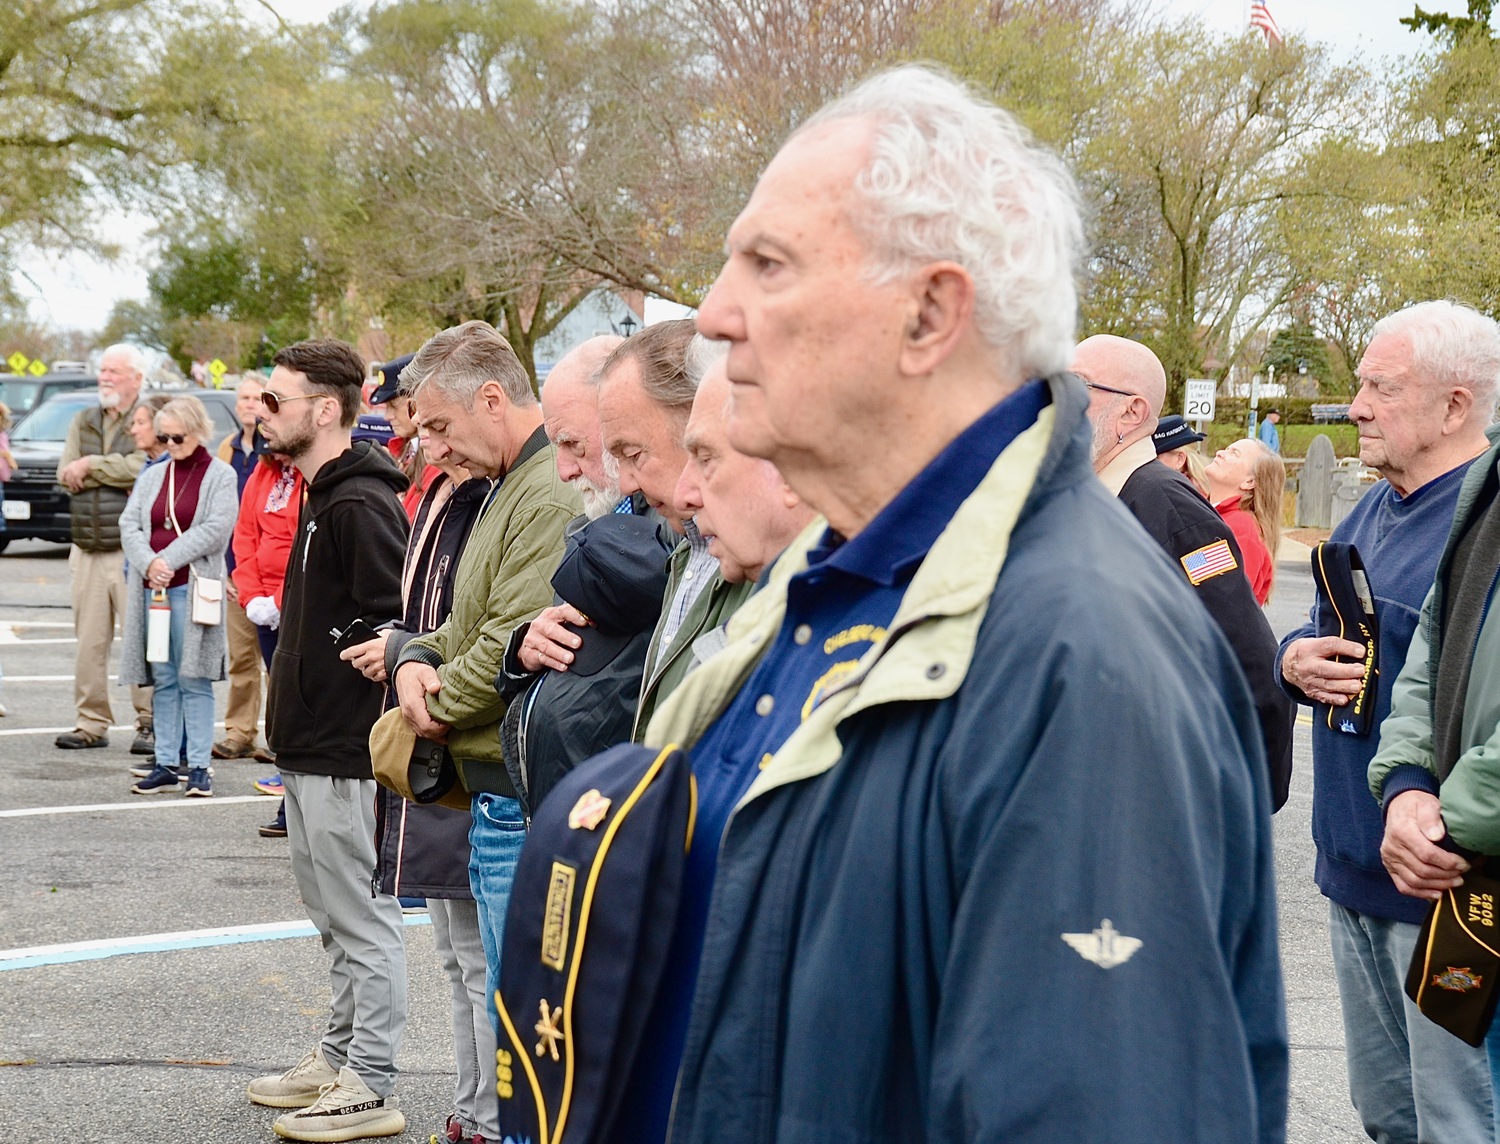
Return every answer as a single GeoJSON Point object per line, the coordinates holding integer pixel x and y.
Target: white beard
{"type": "Point", "coordinates": [109, 400]}
{"type": "Point", "coordinates": [598, 500]}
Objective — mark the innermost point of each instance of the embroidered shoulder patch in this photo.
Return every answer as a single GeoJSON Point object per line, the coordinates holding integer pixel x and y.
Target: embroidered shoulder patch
{"type": "Point", "coordinates": [1209, 561]}
{"type": "Point", "coordinates": [1458, 980]}
{"type": "Point", "coordinates": [589, 811]}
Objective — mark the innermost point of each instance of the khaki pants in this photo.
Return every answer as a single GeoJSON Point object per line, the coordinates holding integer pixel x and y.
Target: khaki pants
{"type": "Point", "coordinates": [243, 712]}
{"type": "Point", "coordinates": [98, 606]}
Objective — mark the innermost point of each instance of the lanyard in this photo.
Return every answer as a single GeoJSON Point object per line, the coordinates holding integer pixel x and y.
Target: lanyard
{"type": "Point", "coordinates": [172, 496]}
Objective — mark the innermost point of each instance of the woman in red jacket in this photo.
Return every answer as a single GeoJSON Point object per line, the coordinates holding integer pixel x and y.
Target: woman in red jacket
{"type": "Point", "coordinates": [1245, 482]}
{"type": "Point", "coordinates": [263, 538]}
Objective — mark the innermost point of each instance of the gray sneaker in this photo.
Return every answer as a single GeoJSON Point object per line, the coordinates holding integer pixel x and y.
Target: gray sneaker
{"type": "Point", "coordinates": [344, 1110]}
{"type": "Point", "coordinates": [298, 1086]}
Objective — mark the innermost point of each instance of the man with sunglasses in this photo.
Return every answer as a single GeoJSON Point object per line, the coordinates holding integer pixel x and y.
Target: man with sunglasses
{"type": "Point", "coordinates": [345, 566]}
{"type": "Point", "coordinates": [1127, 387]}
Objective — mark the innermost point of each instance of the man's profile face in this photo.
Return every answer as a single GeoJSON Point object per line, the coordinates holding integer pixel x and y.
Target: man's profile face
{"type": "Point", "coordinates": [1399, 415]}
{"type": "Point", "coordinates": [810, 337]}
{"type": "Point", "coordinates": [292, 429]}
{"type": "Point", "coordinates": [643, 437]}
{"type": "Point", "coordinates": [570, 416]}
{"type": "Point", "coordinates": [457, 435]}
{"type": "Point", "coordinates": [119, 381]}
{"type": "Point", "coordinates": [732, 498]}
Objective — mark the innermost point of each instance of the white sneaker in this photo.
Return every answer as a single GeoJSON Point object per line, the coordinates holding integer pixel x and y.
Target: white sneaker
{"type": "Point", "coordinates": [299, 1086]}
{"type": "Point", "coordinates": [345, 1110]}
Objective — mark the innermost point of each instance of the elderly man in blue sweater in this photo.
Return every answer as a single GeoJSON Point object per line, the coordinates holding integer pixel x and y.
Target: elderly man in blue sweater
{"type": "Point", "coordinates": [1422, 409]}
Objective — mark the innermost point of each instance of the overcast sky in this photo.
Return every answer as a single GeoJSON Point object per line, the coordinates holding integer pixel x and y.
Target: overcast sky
{"type": "Point", "coordinates": [79, 292]}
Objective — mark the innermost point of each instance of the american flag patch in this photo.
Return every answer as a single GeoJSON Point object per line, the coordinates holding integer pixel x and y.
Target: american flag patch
{"type": "Point", "coordinates": [1209, 561]}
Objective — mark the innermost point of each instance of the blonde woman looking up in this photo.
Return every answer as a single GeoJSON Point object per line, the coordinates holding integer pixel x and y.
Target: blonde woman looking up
{"type": "Point", "coordinates": [1245, 482]}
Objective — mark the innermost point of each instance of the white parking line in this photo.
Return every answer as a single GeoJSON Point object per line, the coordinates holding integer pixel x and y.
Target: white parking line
{"type": "Point", "coordinates": [29, 957]}
{"type": "Point", "coordinates": [48, 678]}
{"type": "Point", "coordinates": [143, 802]}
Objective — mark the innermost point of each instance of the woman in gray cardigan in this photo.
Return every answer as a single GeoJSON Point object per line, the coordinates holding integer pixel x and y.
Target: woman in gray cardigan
{"type": "Point", "coordinates": [174, 530]}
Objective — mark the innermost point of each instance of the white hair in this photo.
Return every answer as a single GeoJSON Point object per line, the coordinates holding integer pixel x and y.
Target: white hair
{"type": "Point", "coordinates": [132, 354]}
{"type": "Point", "coordinates": [1452, 345]}
{"type": "Point", "coordinates": [700, 356]}
{"type": "Point", "coordinates": [953, 177]}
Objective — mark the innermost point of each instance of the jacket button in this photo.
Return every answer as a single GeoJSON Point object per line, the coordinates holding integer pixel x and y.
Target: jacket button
{"type": "Point", "coordinates": [764, 705]}
{"type": "Point", "coordinates": [803, 633]}
{"type": "Point", "coordinates": [935, 670]}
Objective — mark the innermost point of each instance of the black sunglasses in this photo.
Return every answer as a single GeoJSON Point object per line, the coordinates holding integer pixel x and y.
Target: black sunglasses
{"type": "Point", "coordinates": [175, 438]}
{"type": "Point", "coordinates": [273, 402]}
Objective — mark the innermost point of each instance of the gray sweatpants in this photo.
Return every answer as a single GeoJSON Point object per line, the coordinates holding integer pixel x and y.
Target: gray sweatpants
{"type": "Point", "coordinates": [330, 825]}
{"type": "Point", "coordinates": [455, 932]}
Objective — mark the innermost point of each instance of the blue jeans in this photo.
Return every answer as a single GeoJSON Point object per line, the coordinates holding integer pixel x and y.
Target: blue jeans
{"type": "Point", "coordinates": [1411, 1081]}
{"type": "Point", "coordinates": [495, 841]}
{"type": "Point", "coordinates": [182, 705]}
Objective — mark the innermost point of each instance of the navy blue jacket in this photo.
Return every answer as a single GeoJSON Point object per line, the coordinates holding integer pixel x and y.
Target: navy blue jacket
{"type": "Point", "coordinates": [897, 938]}
{"type": "Point", "coordinates": [1400, 540]}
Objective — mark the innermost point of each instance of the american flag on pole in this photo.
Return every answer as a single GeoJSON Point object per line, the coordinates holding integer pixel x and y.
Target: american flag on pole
{"type": "Point", "coordinates": [1260, 17]}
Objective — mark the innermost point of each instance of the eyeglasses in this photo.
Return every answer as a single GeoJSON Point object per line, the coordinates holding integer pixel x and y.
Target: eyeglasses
{"type": "Point", "coordinates": [175, 438]}
{"type": "Point", "coordinates": [273, 402]}
{"type": "Point", "coordinates": [1110, 389]}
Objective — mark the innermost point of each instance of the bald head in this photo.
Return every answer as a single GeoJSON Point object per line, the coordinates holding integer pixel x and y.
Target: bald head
{"type": "Point", "coordinates": [570, 415]}
{"type": "Point", "coordinates": [1122, 364]}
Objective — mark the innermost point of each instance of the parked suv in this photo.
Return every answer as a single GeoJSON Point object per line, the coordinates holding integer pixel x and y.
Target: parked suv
{"type": "Point", "coordinates": [22, 394]}
{"type": "Point", "coordinates": [36, 507]}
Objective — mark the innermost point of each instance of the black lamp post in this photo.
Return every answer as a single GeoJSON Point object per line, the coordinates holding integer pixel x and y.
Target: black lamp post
{"type": "Point", "coordinates": [628, 324]}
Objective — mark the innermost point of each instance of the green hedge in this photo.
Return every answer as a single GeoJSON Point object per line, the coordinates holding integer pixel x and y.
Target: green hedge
{"type": "Point", "coordinates": [1294, 438]}
{"type": "Point", "coordinates": [1294, 410]}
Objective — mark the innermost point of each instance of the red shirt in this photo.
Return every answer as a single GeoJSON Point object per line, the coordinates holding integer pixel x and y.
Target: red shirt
{"type": "Point", "coordinates": [266, 529]}
{"type": "Point", "coordinates": [1258, 568]}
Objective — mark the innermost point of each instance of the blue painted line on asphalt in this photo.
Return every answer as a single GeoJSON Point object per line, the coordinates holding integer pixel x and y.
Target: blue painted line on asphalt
{"type": "Point", "coordinates": [71, 952]}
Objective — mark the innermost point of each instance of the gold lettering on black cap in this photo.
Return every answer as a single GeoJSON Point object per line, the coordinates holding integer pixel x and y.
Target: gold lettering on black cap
{"type": "Point", "coordinates": [559, 914]}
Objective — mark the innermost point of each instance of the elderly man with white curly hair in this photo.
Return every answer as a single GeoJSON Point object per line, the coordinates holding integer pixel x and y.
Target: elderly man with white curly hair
{"type": "Point", "coordinates": [98, 466]}
{"type": "Point", "coordinates": [982, 847]}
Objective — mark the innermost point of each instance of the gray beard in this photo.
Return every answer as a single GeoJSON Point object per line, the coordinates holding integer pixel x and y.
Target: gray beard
{"type": "Point", "coordinates": [598, 500]}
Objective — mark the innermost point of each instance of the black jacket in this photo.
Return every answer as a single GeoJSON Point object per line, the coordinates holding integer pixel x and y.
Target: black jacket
{"type": "Point", "coordinates": [1182, 522]}
{"type": "Point", "coordinates": [423, 851]}
{"type": "Point", "coordinates": [345, 564]}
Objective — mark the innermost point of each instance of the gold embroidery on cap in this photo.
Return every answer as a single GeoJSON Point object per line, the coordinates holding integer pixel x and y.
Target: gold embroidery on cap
{"type": "Point", "coordinates": [548, 1031]}
{"type": "Point", "coordinates": [559, 913]}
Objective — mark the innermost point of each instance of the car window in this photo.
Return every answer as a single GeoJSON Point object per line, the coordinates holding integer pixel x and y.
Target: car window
{"type": "Point", "coordinates": [49, 421]}
{"type": "Point", "coordinates": [19, 396]}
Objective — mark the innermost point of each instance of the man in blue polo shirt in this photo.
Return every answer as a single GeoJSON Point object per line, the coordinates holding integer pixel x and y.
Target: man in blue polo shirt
{"type": "Point", "coordinates": [982, 844]}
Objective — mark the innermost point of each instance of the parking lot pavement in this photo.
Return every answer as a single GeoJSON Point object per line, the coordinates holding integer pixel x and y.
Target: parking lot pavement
{"type": "Point", "coordinates": [150, 1032]}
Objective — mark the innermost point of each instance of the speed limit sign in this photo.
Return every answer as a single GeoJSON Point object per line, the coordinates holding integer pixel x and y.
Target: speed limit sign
{"type": "Point", "coordinates": [1198, 399]}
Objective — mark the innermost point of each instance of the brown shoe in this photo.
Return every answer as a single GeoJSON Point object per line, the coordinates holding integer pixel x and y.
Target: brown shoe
{"type": "Point", "coordinates": [233, 749]}
{"type": "Point", "coordinates": [79, 740]}
{"type": "Point", "coordinates": [264, 755]}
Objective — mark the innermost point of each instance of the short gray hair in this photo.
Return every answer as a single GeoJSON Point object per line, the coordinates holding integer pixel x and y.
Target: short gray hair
{"type": "Point", "coordinates": [660, 352]}
{"type": "Point", "coordinates": [953, 177]}
{"type": "Point", "coordinates": [458, 361]}
{"type": "Point", "coordinates": [190, 414]}
{"type": "Point", "coordinates": [1452, 345]}
{"type": "Point", "coordinates": [701, 355]}
{"type": "Point", "coordinates": [132, 354]}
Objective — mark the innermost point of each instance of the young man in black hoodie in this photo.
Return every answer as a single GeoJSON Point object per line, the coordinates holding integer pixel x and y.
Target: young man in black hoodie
{"type": "Point", "coordinates": [345, 566]}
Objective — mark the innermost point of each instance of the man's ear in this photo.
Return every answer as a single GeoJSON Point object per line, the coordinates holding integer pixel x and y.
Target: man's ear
{"type": "Point", "coordinates": [491, 398]}
{"type": "Point", "coordinates": [1456, 415]}
{"type": "Point", "coordinates": [941, 305]}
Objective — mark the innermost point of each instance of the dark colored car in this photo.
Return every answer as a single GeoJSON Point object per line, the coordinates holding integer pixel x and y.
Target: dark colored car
{"type": "Point", "coordinates": [22, 394]}
{"type": "Point", "coordinates": [36, 507]}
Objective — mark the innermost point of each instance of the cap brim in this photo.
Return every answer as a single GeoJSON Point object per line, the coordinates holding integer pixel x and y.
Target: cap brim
{"type": "Point", "coordinates": [598, 651]}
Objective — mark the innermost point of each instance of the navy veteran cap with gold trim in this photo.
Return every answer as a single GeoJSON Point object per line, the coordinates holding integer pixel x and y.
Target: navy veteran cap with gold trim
{"type": "Point", "coordinates": [1455, 966]}
{"type": "Point", "coordinates": [590, 917]}
{"type": "Point", "coordinates": [1346, 608]}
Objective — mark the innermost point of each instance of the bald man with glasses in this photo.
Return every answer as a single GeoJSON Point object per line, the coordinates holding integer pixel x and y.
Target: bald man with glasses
{"type": "Point", "coordinates": [1127, 388]}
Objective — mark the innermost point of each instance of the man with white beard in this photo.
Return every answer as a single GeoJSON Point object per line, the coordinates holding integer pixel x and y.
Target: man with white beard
{"type": "Point", "coordinates": [570, 415]}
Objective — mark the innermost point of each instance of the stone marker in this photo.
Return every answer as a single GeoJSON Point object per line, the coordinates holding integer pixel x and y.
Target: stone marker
{"type": "Point", "coordinates": [1315, 485]}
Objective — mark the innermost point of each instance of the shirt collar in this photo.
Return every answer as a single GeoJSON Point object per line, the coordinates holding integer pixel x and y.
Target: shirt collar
{"type": "Point", "coordinates": [891, 546]}
{"type": "Point", "coordinates": [1136, 455]}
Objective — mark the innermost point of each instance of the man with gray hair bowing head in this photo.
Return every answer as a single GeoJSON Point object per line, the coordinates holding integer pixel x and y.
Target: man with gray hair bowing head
{"type": "Point", "coordinates": [982, 847]}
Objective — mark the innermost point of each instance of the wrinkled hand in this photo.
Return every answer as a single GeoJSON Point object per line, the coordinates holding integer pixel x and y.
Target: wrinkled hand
{"type": "Point", "coordinates": [414, 683]}
{"type": "Point", "coordinates": [368, 658]}
{"type": "Point", "coordinates": [1420, 869]}
{"type": "Point", "coordinates": [71, 476]}
{"type": "Point", "coordinates": [548, 643]}
{"type": "Point", "coordinates": [158, 573]}
{"type": "Point", "coordinates": [263, 612]}
{"type": "Point", "coordinates": [1309, 665]}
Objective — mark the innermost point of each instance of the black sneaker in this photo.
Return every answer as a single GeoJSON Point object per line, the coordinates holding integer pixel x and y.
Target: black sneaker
{"type": "Point", "coordinates": [145, 741]}
{"type": "Point", "coordinates": [157, 782]}
{"type": "Point", "coordinates": [199, 785]}
{"type": "Point", "coordinates": [276, 828]}
{"type": "Point", "coordinates": [184, 772]}
{"type": "Point", "coordinates": [79, 740]}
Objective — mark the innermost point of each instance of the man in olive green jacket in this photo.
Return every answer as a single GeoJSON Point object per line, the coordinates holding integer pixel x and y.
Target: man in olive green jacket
{"type": "Point", "coordinates": [1438, 764]}
{"type": "Point", "coordinates": [474, 403]}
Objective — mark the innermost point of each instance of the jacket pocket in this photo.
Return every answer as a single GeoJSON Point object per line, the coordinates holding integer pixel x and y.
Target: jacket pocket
{"type": "Point", "coordinates": [290, 723]}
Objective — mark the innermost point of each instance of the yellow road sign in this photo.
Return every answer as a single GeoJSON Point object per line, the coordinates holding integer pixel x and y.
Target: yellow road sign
{"type": "Point", "coordinates": [217, 367]}
{"type": "Point", "coordinates": [37, 368]}
{"type": "Point", "coordinates": [18, 362]}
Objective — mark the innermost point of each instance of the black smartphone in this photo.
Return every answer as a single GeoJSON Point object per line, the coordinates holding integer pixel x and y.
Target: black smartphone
{"type": "Point", "coordinates": [356, 633]}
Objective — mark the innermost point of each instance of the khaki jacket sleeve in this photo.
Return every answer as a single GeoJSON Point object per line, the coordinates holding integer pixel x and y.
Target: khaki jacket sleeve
{"type": "Point", "coordinates": [117, 470]}
{"type": "Point", "coordinates": [1406, 733]}
{"type": "Point", "coordinates": [72, 447]}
